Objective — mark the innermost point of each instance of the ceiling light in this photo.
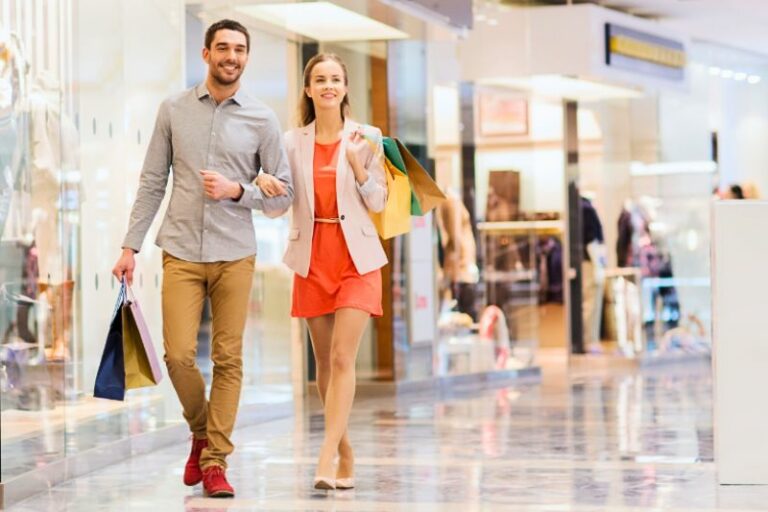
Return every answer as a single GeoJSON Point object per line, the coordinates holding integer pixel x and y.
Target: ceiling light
{"type": "Point", "coordinates": [714, 70]}
{"type": "Point", "coordinates": [740, 77]}
{"type": "Point", "coordinates": [753, 79]}
{"type": "Point", "coordinates": [726, 73]}
{"type": "Point", "coordinates": [666, 168]}
{"type": "Point", "coordinates": [560, 86]}
{"type": "Point", "coordinates": [493, 22]}
{"type": "Point", "coordinates": [323, 21]}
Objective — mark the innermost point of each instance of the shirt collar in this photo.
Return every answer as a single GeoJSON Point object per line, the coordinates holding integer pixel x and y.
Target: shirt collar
{"type": "Point", "coordinates": [239, 97]}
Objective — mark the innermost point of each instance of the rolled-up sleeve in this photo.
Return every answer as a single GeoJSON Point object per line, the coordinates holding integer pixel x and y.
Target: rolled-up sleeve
{"type": "Point", "coordinates": [153, 181]}
{"type": "Point", "coordinates": [374, 190]}
{"type": "Point", "coordinates": [275, 162]}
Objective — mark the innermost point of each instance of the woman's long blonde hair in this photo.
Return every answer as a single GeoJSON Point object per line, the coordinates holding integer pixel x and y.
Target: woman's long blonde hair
{"type": "Point", "coordinates": [306, 106]}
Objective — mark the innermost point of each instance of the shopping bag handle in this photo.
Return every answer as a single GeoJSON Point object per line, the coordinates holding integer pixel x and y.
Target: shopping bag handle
{"type": "Point", "coordinates": [128, 296]}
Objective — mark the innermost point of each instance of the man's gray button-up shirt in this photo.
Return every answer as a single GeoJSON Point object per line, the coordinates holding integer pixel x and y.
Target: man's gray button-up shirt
{"type": "Point", "coordinates": [236, 138]}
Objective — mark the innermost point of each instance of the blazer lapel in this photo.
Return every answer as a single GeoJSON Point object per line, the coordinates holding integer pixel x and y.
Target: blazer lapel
{"type": "Point", "coordinates": [307, 163]}
{"type": "Point", "coordinates": [342, 167]}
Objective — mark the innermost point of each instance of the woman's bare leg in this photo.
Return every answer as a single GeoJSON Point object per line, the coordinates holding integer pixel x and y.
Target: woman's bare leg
{"type": "Point", "coordinates": [321, 332]}
{"type": "Point", "coordinates": [348, 328]}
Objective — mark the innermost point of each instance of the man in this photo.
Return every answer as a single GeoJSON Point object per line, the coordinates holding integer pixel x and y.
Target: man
{"type": "Point", "coordinates": [216, 138]}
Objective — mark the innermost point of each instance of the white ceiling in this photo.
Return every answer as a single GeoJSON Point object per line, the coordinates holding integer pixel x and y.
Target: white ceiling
{"type": "Point", "coordinates": [741, 24]}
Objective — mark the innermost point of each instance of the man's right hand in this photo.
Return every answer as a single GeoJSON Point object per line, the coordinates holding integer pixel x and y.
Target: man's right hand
{"type": "Point", "coordinates": [125, 266]}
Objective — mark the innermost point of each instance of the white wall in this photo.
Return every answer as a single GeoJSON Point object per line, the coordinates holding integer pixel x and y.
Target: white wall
{"type": "Point", "coordinates": [740, 342]}
{"type": "Point", "coordinates": [684, 132]}
{"type": "Point", "coordinates": [743, 132]}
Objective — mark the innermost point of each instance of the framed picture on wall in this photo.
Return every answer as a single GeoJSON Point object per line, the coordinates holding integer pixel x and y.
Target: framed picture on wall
{"type": "Point", "coordinates": [502, 113]}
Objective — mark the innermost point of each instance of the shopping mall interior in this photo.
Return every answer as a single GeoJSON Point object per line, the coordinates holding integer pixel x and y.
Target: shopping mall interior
{"type": "Point", "coordinates": [567, 329]}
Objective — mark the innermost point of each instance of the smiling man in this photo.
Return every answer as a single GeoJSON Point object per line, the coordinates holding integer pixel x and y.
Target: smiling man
{"type": "Point", "coordinates": [217, 139]}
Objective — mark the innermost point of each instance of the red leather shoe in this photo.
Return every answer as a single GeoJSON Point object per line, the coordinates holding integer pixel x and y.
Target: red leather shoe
{"type": "Point", "coordinates": [215, 483]}
{"type": "Point", "coordinates": [193, 475]}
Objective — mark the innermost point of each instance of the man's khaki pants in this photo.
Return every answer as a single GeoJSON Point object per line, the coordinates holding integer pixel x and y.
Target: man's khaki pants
{"type": "Point", "coordinates": [185, 287]}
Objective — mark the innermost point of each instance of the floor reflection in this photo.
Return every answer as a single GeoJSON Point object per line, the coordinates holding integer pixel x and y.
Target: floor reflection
{"type": "Point", "coordinates": [596, 441]}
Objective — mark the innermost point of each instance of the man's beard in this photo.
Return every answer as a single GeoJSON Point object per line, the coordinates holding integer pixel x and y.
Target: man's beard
{"type": "Point", "coordinates": [219, 77]}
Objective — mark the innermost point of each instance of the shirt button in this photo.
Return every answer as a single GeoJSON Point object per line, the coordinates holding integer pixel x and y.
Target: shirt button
{"type": "Point", "coordinates": [342, 217]}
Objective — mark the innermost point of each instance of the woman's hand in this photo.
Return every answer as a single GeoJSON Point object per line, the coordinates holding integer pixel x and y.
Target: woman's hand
{"type": "Point", "coordinates": [269, 185]}
{"type": "Point", "coordinates": [355, 146]}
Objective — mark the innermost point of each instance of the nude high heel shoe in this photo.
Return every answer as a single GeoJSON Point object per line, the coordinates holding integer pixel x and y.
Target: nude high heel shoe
{"type": "Point", "coordinates": [345, 483]}
{"type": "Point", "coordinates": [324, 483]}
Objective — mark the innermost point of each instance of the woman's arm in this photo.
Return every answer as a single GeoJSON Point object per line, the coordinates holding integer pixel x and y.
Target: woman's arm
{"type": "Point", "coordinates": [369, 175]}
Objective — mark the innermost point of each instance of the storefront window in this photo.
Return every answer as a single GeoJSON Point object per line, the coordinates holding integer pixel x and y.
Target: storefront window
{"type": "Point", "coordinates": [39, 232]}
{"type": "Point", "coordinates": [77, 109]}
{"type": "Point", "coordinates": [653, 200]}
{"type": "Point", "coordinates": [499, 229]}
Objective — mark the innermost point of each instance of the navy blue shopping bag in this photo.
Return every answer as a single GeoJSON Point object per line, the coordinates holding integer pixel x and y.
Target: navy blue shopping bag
{"type": "Point", "coordinates": [110, 379]}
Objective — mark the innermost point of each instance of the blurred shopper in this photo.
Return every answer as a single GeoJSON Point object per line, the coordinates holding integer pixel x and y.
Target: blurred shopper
{"type": "Point", "coordinates": [216, 137]}
{"type": "Point", "coordinates": [333, 246]}
{"type": "Point", "coordinates": [750, 191]}
{"type": "Point", "coordinates": [735, 192]}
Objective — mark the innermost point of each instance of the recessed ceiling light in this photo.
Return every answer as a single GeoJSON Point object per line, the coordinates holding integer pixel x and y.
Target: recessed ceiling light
{"type": "Point", "coordinates": [493, 22]}
{"type": "Point", "coordinates": [753, 79]}
{"type": "Point", "coordinates": [726, 73]}
{"type": "Point", "coordinates": [740, 76]}
{"type": "Point", "coordinates": [323, 21]}
{"type": "Point", "coordinates": [714, 70]}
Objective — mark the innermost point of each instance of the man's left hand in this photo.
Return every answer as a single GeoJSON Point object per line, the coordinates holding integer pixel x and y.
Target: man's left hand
{"type": "Point", "coordinates": [217, 187]}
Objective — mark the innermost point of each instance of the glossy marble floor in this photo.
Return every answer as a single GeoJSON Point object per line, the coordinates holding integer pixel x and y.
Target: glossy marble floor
{"type": "Point", "coordinates": [597, 441]}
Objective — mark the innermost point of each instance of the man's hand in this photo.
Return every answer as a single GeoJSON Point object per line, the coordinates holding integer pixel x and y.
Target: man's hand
{"type": "Point", "coordinates": [125, 266]}
{"type": "Point", "coordinates": [269, 185]}
{"type": "Point", "coordinates": [217, 187]}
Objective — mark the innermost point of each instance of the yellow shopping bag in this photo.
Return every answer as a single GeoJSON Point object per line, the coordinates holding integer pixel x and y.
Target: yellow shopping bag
{"type": "Point", "coordinates": [395, 219]}
{"type": "Point", "coordinates": [138, 372]}
{"type": "Point", "coordinates": [142, 367]}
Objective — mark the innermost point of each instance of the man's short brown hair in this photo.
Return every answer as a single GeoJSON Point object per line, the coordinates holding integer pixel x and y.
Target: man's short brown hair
{"type": "Point", "coordinates": [227, 25]}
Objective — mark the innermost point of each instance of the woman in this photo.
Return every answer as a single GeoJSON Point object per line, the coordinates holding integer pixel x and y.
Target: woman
{"type": "Point", "coordinates": [333, 246]}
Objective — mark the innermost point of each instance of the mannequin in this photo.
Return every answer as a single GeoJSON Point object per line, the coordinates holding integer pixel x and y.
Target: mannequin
{"type": "Point", "coordinates": [19, 266]}
{"type": "Point", "coordinates": [460, 251]}
{"type": "Point", "coordinates": [53, 143]}
{"type": "Point", "coordinates": [593, 273]}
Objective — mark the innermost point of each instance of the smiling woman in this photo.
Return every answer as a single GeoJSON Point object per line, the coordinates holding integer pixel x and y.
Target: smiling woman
{"type": "Point", "coordinates": [325, 80]}
{"type": "Point", "coordinates": [339, 177]}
